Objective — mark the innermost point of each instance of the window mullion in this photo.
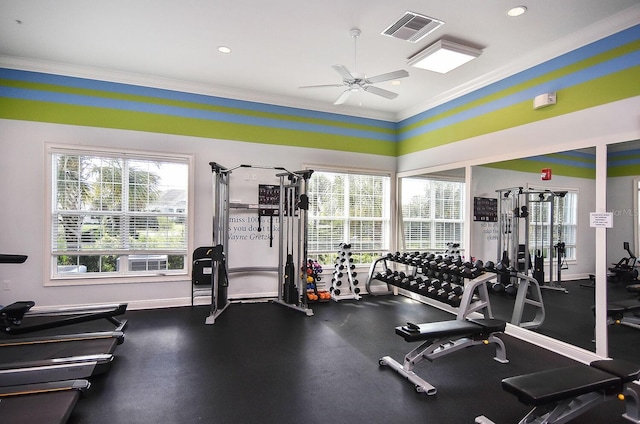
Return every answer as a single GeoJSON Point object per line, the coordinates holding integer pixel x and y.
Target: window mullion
{"type": "Point", "coordinates": [347, 210]}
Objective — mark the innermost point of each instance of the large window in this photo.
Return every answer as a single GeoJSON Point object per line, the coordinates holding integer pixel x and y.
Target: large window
{"type": "Point", "coordinates": [348, 208]}
{"type": "Point", "coordinates": [115, 214]}
{"type": "Point", "coordinates": [432, 213]}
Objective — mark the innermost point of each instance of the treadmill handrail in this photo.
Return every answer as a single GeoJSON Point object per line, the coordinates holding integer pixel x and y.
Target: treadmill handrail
{"type": "Point", "coordinates": [90, 314]}
{"type": "Point", "coordinates": [100, 358]}
{"type": "Point", "coordinates": [63, 338]}
{"type": "Point", "coordinates": [52, 386]}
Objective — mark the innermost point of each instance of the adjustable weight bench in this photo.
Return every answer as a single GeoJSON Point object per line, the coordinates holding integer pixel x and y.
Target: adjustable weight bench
{"type": "Point", "coordinates": [561, 394]}
{"type": "Point", "coordinates": [624, 312]}
{"type": "Point", "coordinates": [441, 338]}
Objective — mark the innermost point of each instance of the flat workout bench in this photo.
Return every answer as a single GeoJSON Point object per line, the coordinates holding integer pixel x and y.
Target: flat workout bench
{"type": "Point", "coordinates": [559, 395]}
{"type": "Point", "coordinates": [438, 340]}
{"type": "Point", "coordinates": [624, 312]}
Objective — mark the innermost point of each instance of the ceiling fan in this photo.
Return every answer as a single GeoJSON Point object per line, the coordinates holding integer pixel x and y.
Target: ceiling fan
{"type": "Point", "coordinates": [353, 81]}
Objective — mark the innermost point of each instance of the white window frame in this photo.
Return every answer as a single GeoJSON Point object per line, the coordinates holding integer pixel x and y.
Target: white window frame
{"type": "Point", "coordinates": [386, 218]}
{"type": "Point", "coordinates": [432, 244]}
{"type": "Point", "coordinates": [53, 278]}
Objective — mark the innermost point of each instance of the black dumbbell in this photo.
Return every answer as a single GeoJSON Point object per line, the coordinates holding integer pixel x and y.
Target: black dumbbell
{"type": "Point", "coordinates": [454, 300]}
{"type": "Point", "coordinates": [496, 287]}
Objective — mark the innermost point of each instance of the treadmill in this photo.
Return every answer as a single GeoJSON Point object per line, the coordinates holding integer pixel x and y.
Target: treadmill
{"type": "Point", "coordinates": [51, 370]}
{"type": "Point", "coordinates": [48, 403]}
{"type": "Point", "coordinates": [52, 358]}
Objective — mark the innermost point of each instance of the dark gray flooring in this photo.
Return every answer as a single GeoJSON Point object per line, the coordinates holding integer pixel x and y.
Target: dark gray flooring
{"type": "Point", "coordinates": [266, 363]}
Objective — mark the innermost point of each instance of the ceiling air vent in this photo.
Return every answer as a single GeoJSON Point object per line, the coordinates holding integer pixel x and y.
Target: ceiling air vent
{"type": "Point", "coordinates": [412, 27]}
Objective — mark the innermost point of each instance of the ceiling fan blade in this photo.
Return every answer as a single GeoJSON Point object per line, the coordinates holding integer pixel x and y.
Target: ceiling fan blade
{"type": "Point", "coordinates": [380, 92]}
{"type": "Point", "coordinates": [343, 97]}
{"type": "Point", "coordinates": [388, 76]}
{"type": "Point", "coordinates": [344, 72]}
{"type": "Point", "coordinates": [322, 86]}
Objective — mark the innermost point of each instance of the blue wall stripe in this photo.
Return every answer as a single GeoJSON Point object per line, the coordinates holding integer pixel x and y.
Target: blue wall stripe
{"type": "Point", "coordinates": [562, 161]}
{"type": "Point", "coordinates": [624, 153]}
{"type": "Point", "coordinates": [113, 87]}
{"type": "Point", "coordinates": [79, 100]}
{"type": "Point", "coordinates": [593, 72]}
{"type": "Point", "coordinates": [595, 48]}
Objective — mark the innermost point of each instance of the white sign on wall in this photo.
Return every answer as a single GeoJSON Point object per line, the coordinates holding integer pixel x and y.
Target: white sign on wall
{"type": "Point", "coordinates": [601, 220]}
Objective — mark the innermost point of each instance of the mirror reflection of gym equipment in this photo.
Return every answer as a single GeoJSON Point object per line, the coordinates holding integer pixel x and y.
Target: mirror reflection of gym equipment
{"type": "Point", "coordinates": [545, 209]}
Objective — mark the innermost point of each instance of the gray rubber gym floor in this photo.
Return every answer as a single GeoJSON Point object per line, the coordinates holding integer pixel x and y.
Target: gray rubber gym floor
{"type": "Point", "coordinates": [266, 363]}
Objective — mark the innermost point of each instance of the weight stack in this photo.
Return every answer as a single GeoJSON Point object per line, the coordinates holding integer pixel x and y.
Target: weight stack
{"type": "Point", "coordinates": [344, 283]}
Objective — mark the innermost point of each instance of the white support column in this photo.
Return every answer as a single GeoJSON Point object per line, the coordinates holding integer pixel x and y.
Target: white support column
{"type": "Point", "coordinates": [602, 345]}
{"type": "Point", "coordinates": [468, 212]}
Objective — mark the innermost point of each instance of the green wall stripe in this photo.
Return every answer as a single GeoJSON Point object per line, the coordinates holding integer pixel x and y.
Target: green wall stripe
{"type": "Point", "coordinates": [540, 80]}
{"type": "Point", "coordinates": [609, 88]}
{"type": "Point", "coordinates": [30, 110]}
{"type": "Point", "coordinates": [623, 171]}
{"type": "Point", "coordinates": [183, 104]}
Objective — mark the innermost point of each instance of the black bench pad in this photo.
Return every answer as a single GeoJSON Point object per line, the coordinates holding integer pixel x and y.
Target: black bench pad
{"type": "Point", "coordinates": [17, 309]}
{"type": "Point", "coordinates": [434, 330]}
{"type": "Point", "coordinates": [627, 371]}
{"type": "Point", "coordinates": [548, 386]}
{"type": "Point", "coordinates": [624, 305]}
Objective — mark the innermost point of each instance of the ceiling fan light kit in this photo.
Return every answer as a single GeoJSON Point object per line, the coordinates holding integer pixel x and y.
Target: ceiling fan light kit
{"type": "Point", "coordinates": [352, 81]}
{"type": "Point", "coordinates": [443, 56]}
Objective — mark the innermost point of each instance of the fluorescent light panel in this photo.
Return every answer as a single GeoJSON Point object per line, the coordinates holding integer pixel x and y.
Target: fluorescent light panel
{"type": "Point", "coordinates": [443, 56]}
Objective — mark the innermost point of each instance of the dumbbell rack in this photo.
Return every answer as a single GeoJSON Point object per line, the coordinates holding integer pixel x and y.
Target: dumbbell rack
{"type": "Point", "coordinates": [440, 280]}
{"type": "Point", "coordinates": [344, 273]}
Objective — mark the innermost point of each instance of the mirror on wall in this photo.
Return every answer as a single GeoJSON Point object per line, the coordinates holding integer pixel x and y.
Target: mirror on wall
{"type": "Point", "coordinates": [535, 222]}
{"type": "Point", "coordinates": [623, 242]}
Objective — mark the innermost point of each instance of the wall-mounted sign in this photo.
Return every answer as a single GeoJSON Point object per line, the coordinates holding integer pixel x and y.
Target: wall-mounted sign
{"type": "Point", "coordinates": [485, 209]}
{"type": "Point", "coordinates": [601, 220]}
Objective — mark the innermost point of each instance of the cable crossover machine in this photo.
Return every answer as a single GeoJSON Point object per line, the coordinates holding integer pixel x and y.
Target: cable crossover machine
{"type": "Point", "coordinates": [517, 205]}
{"type": "Point", "coordinates": [288, 202]}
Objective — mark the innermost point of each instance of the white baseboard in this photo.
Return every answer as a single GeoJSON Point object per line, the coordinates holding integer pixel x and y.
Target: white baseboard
{"type": "Point", "coordinates": [200, 300]}
{"type": "Point", "coordinates": [553, 345]}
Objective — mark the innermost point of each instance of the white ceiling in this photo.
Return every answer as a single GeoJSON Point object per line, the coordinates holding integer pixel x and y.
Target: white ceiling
{"type": "Point", "coordinates": [281, 45]}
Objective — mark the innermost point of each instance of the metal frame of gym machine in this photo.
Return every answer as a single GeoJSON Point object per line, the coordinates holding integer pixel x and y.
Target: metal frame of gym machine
{"type": "Point", "coordinates": [511, 231]}
{"type": "Point", "coordinates": [547, 196]}
{"type": "Point", "coordinates": [293, 204]}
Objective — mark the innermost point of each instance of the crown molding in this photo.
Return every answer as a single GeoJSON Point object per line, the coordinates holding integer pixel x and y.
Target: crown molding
{"type": "Point", "coordinates": [151, 81]}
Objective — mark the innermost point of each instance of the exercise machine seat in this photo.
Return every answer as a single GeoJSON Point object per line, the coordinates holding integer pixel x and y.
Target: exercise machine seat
{"type": "Point", "coordinates": [545, 387]}
{"type": "Point", "coordinates": [434, 330]}
{"type": "Point", "coordinates": [618, 308]}
{"type": "Point", "coordinates": [14, 312]}
{"type": "Point", "coordinates": [548, 386]}
{"type": "Point", "coordinates": [627, 371]}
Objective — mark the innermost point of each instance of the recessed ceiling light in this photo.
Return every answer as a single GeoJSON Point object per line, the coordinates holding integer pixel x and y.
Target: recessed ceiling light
{"type": "Point", "coordinates": [224, 49]}
{"type": "Point", "coordinates": [517, 11]}
{"type": "Point", "coordinates": [395, 82]}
